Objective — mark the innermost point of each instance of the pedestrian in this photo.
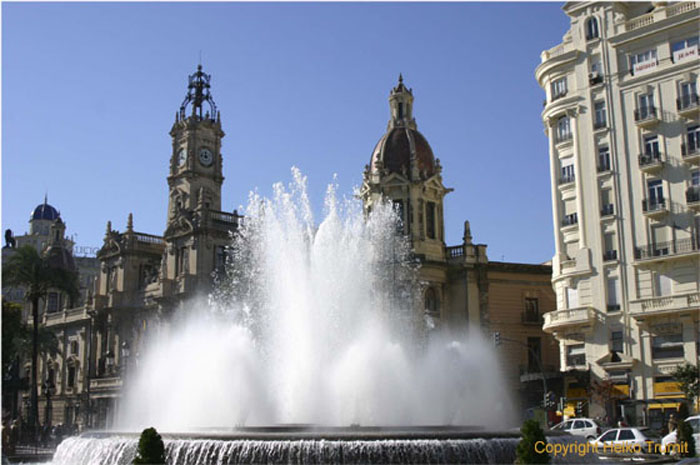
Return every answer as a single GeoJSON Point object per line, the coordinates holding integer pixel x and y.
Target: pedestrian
{"type": "Point", "coordinates": [672, 424]}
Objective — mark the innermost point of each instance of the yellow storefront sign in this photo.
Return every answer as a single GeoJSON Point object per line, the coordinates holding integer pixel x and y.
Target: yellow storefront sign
{"type": "Point", "coordinates": [668, 388]}
{"type": "Point", "coordinates": [621, 390]}
{"type": "Point", "coordinates": [665, 405]}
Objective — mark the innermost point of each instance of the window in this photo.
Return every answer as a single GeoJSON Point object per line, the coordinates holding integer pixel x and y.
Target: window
{"type": "Point", "coordinates": [567, 174]}
{"type": "Point", "coordinates": [660, 240]}
{"type": "Point", "coordinates": [71, 376]}
{"type": "Point", "coordinates": [606, 202]}
{"type": "Point", "coordinates": [532, 310]}
{"type": "Point", "coordinates": [181, 264]}
{"type": "Point", "coordinates": [600, 116]}
{"type": "Point", "coordinates": [646, 109]}
{"type": "Point", "coordinates": [576, 354]}
{"type": "Point", "coordinates": [604, 158]}
{"type": "Point", "coordinates": [685, 49]}
{"type": "Point", "coordinates": [596, 76]}
{"type": "Point", "coordinates": [695, 178]}
{"type": "Point", "coordinates": [52, 305]}
{"type": "Point", "coordinates": [220, 259]}
{"type": "Point", "coordinates": [534, 354]}
{"type": "Point", "coordinates": [578, 424]}
{"type": "Point", "coordinates": [692, 140]}
{"type": "Point", "coordinates": [655, 190]}
{"type": "Point", "coordinates": [609, 436]}
{"type": "Point", "coordinates": [430, 219]}
{"type": "Point", "coordinates": [662, 284]}
{"type": "Point", "coordinates": [616, 341]}
{"type": "Point", "coordinates": [398, 210]}
{"type": "Point", "coordinates": [609, 247]}
{"type": "Point", "coordinates": [626, 435]}
{"type": "Point", "coordinates": [667, 346]}
{"type": "Point", "coordinates": [400, 111]}
{"type": "Point", "coordinates": [651, 146]}
{"type": "Point", "coordinates": [559, 88]}
{"type": "Point", "coordinates": [613, 302]}
{"type": "Point", "coordinates": [74, 347]}
{"type": "Point", "coordinates": [563, 129]}
{"type": "Point", "coordinates": [591, 28]}
{"type": "Point", "coordinates": [431, 301]}
{"type": "Point", "coordinates": [643, 62]}
{"type": "Point", "coordinates": [572, 296]}
{"type": "Point", "coordinates": [570, 219]}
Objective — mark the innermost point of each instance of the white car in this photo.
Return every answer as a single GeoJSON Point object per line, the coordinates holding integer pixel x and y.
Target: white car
{"type": "Point", "coordinates": [625, 440]}
{"type": "Point", "coordinates": [585, 427]}
{"type": "Point", "coordinates": [670, 438]}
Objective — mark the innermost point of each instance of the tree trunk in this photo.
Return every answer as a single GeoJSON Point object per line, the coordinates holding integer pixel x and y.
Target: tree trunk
{"type": "Point", "coordinates": [34, 416]}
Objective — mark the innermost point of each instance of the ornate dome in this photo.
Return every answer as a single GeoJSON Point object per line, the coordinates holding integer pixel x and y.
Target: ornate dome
{"type": "Point", "coordinates": [396, 149]}
{"type": "Point", "coordinates": [44, 211]}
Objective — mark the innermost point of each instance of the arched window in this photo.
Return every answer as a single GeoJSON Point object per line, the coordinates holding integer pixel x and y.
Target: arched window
{"type": "Point", "coordinates": [431, 301]}
{"type": "Point", "coordinates": [591, 28]}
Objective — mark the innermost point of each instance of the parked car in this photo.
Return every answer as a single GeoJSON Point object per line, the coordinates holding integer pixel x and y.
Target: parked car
{"type": "Point", "coordinates": [635, 439]}
{"type": "Point", "coordinates": [671, 438]}
{"type": "Point", "coordinates": [585, 427]}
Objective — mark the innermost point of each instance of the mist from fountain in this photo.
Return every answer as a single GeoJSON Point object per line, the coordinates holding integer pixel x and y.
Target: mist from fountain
{"type": "Point", "coordinates": [313, 325]}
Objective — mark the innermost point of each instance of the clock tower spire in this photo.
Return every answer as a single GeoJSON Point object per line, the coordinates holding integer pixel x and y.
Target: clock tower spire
{"type": "Point", "coordinates": [197, 229]}
{"type": "Point", "coordinates": [196, 163]}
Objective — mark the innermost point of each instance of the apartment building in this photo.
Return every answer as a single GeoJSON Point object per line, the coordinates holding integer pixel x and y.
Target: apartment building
{"type": "Point", "coordinates": [621, 114]}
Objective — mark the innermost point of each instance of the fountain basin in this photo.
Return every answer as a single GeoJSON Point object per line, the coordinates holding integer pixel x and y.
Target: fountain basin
{"type": "Point", "coordinates": [306, 444]}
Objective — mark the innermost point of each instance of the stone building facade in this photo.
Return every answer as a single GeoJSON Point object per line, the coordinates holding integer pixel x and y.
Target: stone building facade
{"type": "Point", "coordinates": [142, 278]}
{"type": "Point", "coordinates": [621, 114]}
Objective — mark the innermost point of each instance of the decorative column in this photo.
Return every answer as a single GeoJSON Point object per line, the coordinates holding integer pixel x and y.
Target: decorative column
{"type": "Point", "coordinates": [573, 115]}
{"type": "Point", "coordinates": [553, 164]}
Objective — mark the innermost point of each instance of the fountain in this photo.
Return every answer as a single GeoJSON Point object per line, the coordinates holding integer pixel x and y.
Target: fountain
{"type": "Point", "coordinates": [313, 330]}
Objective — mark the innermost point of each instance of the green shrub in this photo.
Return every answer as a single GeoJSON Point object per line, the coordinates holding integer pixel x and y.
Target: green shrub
{"type": "Point", "coordinates": [525, 452]}
{"type": "Point", "coordinates": [151, 448]}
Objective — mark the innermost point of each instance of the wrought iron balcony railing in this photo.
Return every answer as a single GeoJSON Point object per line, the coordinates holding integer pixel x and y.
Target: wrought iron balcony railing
{"type": "Point", "coordinates": [649, 159]}
{"type": "Point", "coordinates": [650, 206]}
{"type": "Point", "coordinates": [609, 255]}
{"type": "Point", "coordinates": [645, 114]}
{"type": "Point", "coordinates": [608, 209]}
{"type": "Point", "coordinates": [687, 102]}
{"type": "Point", "coordinates": [566, 179]}
{"type": "Point", "coordinates": [570, 220]}
{"type": "Point", "coordinates": [660, 249]}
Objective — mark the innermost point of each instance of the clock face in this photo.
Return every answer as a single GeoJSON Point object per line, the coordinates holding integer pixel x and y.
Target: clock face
{"type": "Point", "coordinates": [205, 157]}
{"type": "Point", "coordinates": [181, 157]}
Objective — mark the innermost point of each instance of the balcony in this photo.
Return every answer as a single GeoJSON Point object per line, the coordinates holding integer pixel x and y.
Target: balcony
{"type": "Point", "coordinates": [651, 162]}
{"type": "Point", "coordinates": [559, 319]}
{"type": "Point", "coordinates": [655, 209]}
{"type": "Point", "coordinates": [692, 198]}
{"type": "Point", "coordinates": [600, 124]}
{"type": "Point", "coordinates": [607, 210]}
{"type": "Point", "coordinates": [604, 166]}
{"type": "Point", "coordinates": [646, 117]}
{"type": "Point", "coordinates": [567, 179]}
{"type": "Point", "coordinates": [561, 138]}
{"type": "Point", "coordinates": [659, 306]}
{"type": "Point", "coordinates": [691, 152]}
{"type": "Point", "coordinates": [667, 250]}
{"type": "Point", "coordinates": [533, 373]}
{"type": "Point", "coordinates": [569, 220]}
{"type": "Point", "coordinates": [688, 105]}
{"type": "Point", "coordinates": [105, 384]}
{"type": "Point", "coordinates": [609, 255]}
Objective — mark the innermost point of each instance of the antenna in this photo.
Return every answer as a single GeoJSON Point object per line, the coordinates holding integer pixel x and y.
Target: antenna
{"type": "Point", "coordinates": [200, 57]}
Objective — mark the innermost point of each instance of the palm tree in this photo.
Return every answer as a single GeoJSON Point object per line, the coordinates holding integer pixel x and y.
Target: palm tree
{"type": "Point", "coordinates": [28, 269]}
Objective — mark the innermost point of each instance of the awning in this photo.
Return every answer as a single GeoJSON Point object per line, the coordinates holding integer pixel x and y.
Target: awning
{"type": "Point", "coordinates": [664, 405]}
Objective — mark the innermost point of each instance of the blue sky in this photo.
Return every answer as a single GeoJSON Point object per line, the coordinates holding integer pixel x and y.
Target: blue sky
{"type": "Point", "coordinates": [90, 90]}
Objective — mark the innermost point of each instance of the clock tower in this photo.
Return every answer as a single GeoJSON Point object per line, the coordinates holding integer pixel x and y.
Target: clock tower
{"type": "Point", "coordinates": [197, 230]}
